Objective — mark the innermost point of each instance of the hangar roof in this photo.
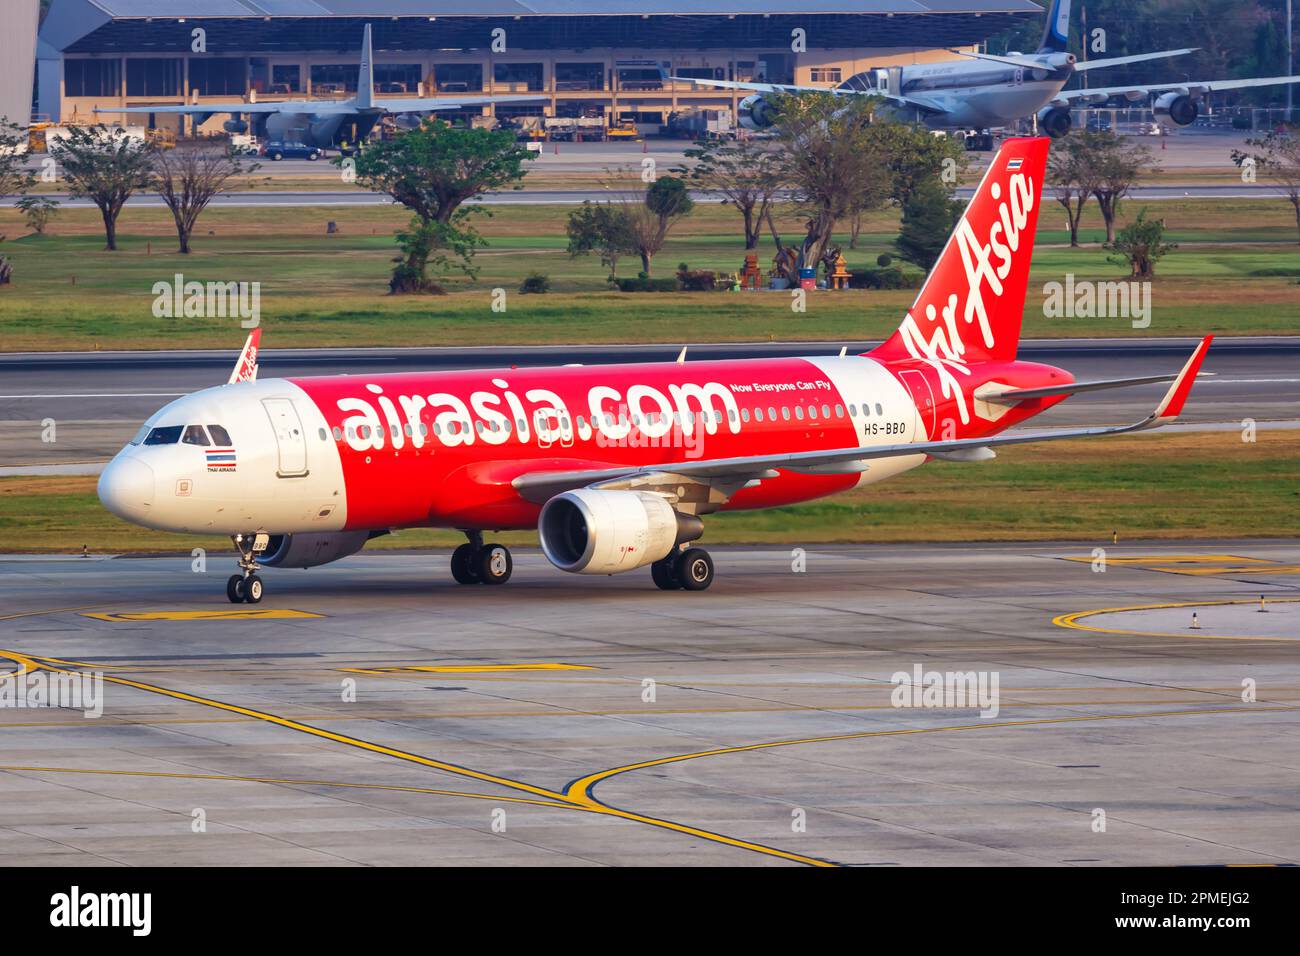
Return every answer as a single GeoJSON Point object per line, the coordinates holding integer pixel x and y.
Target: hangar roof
{"type": "Point", "coordinates": [205, 9]}
{"type": "Point", "coordinates": [124, 27]}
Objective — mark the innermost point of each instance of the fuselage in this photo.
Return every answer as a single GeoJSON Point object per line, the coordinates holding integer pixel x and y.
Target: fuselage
{"type": "Point", "coordinates": [440, 449]}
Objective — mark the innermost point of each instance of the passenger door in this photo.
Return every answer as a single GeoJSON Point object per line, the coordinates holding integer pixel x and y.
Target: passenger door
{"type": "Point", "coordinates": [290, 441]}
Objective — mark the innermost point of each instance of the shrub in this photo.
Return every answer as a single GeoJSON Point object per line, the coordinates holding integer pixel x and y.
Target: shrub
{"type": "Point", "coordinates": [892, 277]}
{"type": "Point", "coordinates": [535, 283]}
{"type": "Point", "coordinates": [884, 260]}
{"type": "Point", "coordinates": [701, 280]}
{"type": "Point", "coordinates": [644, 283]}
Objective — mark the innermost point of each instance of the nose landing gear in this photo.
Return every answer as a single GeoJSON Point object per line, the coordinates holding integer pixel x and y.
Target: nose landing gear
{"type": "Point", "coordinates": [246, 587]}
{"type": "Point", "coordinates": [479, 563]}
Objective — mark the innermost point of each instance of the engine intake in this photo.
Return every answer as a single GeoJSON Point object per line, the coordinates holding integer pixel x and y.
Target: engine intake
{"type": "Point", "coordinates": [604, 532]}
{"type": "Point", "coordinates": [312, 548]}
{"type": "Point", "coordinates": [1173, 110]}
{"type": "Point", "coordinates": [755, 112]}
{"type": "Point", "coordinates": [1054, 121]}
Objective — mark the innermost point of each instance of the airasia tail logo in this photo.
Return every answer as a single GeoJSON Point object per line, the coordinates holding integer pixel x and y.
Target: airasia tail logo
{"type": "Point", "coordinates": [986, 264]}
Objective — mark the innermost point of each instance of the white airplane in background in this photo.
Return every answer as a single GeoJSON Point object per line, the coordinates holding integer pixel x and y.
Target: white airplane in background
{"type": "Point", "coordinates": [319, 122]}
{"type": "Point", "coordinates": [996, 91]}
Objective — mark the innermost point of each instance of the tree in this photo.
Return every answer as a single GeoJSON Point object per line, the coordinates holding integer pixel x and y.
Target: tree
{"type": "Point", "coordinates": [1118, 163]}
{"type": "Point", "coordinates": [1140, 245]}
{"type": "Point", "coordinates": [1073, 175]}
{"type": "Point", "coordinates": [1277, 157]}
{"type": "Point", "coordinates": [602, 228]}
{"type": "Point", "coordinates": [433, 171]}
{"type": "Point", "coordinates": [15, 177]}
{"type": "Point", "coordinates": [38, 211]}
{"type": "Point", "coordinates": [929, 213]}
{"type": "Point", "coordinates": [105, 166]}
{"type": "Point", "coordinates": [745, 172]}
{"type": "Point", "coordinates": [832, 158]}
{"type": "Point", "coordinates": [187, 179]}
{"type": "Point", "coordinates": [651, 212]}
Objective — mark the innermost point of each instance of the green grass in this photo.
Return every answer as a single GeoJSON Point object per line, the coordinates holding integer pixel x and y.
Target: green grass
{"type": "Point", "coordinates": [322, 290]}
{"type": "Point", "coordinates": [1176, 485]}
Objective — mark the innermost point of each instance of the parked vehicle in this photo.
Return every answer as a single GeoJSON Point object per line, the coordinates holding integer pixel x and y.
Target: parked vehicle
{"type": "Point", "coordinates": [291, 150]}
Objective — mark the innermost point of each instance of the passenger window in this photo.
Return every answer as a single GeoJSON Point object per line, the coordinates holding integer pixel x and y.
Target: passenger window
{"type": "Point", "coordinates": [785, 412]}
{"type": "Point", "coordinates": [798, 412]}
{"type": "Point", "coordinates": [771, 412]}
{"type": "Point", "coordinates": [839, 411]}
{"type": "Point", "coordinates": [853, 410]}
{"type": "Point", "coordinates": [338, 433]}
{"type": "Point", "coordinates": [826, 411]}
{"type": "Point", "coordinates": [744, 414]}
{"type": "Point", "coordinates": [195, 435]}
{"type": "Point", "coordinates": [167, 435]}
{"type": "Point", "coordinates": [758, 414]}
{"type": "Point", "coordinates": [879, 410]}
{"type": "Point", "coordinates": [219, 435]}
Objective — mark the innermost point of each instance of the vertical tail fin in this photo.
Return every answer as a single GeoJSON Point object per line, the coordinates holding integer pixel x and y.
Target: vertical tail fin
{"type": "Point", "coordinates": [366, 79]}
{"type": "Point", "coordinates": [1056, 32]}
{"type": "Point", "coordinates": [969, 309]}
{"type": "Point", "coordinates": [246, 364]}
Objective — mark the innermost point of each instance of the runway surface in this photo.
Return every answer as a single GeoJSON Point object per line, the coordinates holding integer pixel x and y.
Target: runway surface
{"type": "Point", "coordinates": [575, 197]}
{"type": "Point", "coordinates": [567, 721]}
{"type": "Point", "coordinates": [99, 399]}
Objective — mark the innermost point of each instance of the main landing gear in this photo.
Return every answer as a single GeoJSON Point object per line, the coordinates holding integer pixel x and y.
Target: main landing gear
{"type": "Point", "coordinates": [479, 563]}
{"type": "Point", "coordinates": [247, 587]}
{"type": "Point", "coordinates": [689, 570]}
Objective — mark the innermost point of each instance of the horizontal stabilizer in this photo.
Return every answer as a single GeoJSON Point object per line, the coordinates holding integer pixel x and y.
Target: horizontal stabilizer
{"type": "Point", "coordinates": [1010, 396]}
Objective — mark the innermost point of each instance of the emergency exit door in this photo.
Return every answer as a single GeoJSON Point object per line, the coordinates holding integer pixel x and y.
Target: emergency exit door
{"type": "Point", "coordinates": [291, 443]}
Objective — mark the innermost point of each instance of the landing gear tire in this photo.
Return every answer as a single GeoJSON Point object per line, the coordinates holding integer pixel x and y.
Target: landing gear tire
{"type": "Point", "coordinates": [693, 569]}
{"type": "Point", "coordinates": [494, 564]}
{"type": "Point", "coordinates": [253, 589]}
{"type": "Point", "coordinates": [664, 574]}
{"type": "Point", "coordinates": [235, 588]}
{"type": "Point", "coordinates": [463, 566]}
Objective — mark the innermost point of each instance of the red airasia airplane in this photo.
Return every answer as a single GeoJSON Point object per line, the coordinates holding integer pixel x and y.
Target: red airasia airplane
{"type": "Point", "coordinates": [615, 465]}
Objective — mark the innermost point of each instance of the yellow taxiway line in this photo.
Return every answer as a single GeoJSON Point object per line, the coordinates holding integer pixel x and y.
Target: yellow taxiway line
{"type": "Point", "coordinates": [1072, 621]}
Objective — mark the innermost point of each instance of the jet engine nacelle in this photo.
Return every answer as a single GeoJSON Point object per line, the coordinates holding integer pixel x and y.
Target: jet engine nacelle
{"type": "Point", "coordinates": [312, 548]}
{"type": "Point", "coordinates": [756, 112]}
{"type": "Point", "coordinates": [235, 126]}
{"type": "Point", "coordinates": [603, 532]}
{"type": "Point", "coordinates": [1173, 110]}
{"type": "Point", "coordinates": [287, 127]}
{"type": "Point", "coordinates": [1054, 121]}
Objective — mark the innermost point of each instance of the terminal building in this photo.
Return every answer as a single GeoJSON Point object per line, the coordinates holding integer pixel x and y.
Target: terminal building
{"type": "Point", "coordinates": [584, 57]}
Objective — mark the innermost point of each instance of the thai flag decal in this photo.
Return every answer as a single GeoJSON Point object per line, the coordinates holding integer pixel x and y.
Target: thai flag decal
{"type": "Point", "coordinates": [1014, 163]}
{"type": "Point", "coordinates": [221, 459]}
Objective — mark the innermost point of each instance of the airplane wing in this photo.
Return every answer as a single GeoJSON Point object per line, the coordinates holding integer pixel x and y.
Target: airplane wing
{"type": "Point", "coordinates": [1081, 66]}
{"type": "Point", "coordinates": [429, 104]}
{"type": "Point", "coordinates": [319, 107]}
{"type": "Point", "coordinates": [917, 102]}
{"type": "Point", "coordinates": [727, 475]}
{"type": "Point", "coordinates": [1010, 396]}
{"type": "Point", "coordinates": [1098, 93]}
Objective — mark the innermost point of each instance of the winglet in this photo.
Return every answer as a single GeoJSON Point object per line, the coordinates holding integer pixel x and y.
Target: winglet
{"type": "Point", "coordinates": [1172, 404]}
{"type": "Point", "coordinates": [246, 366]}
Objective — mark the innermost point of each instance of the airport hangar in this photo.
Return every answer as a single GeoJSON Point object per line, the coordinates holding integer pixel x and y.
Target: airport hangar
{"type": "Point", "coordinates": [587, 57]}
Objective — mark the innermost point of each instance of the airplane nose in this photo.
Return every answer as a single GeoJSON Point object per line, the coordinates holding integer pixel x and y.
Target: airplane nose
{"type": "Point", "coordinates": [127, 488]}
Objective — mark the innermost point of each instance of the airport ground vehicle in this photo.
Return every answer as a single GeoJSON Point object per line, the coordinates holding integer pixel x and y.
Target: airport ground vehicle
{"type": "Point", "coordinates": [617, 466]}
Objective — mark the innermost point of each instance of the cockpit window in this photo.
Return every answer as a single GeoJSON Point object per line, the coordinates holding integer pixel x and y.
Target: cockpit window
{"type": "Point", "coordinates": [219, 435]}
{"type": "Point", "coordinates": [195, 435]}
{"type": "Point", "coordinates": [166, 435]}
